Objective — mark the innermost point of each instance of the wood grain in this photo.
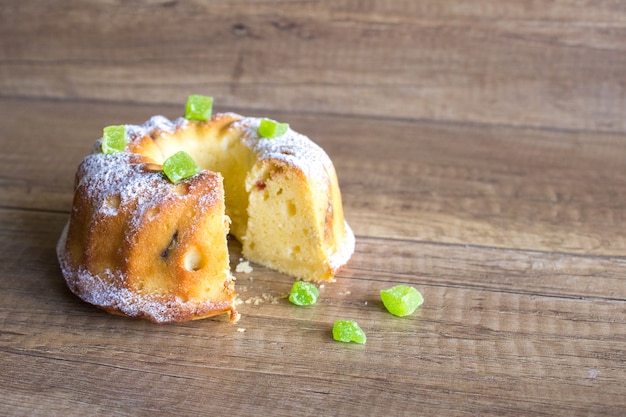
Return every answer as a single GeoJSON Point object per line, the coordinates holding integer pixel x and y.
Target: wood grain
{"type": "Point", "coordinates": [512, 235]}
{"type": "Point", "coordinates": [499, 187]}
{"type": "Point", "coordinates": [480, 148]}
{"type": "Point", "coordinates": [466, 347]}
{"type": "Point", "coordinates": [542, 64]}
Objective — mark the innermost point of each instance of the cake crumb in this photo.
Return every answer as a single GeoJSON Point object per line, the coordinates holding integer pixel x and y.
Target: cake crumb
{"type": "Point", "coordinates": [244, 267]}
{"type": "Point", "coordinates": [270, 298]}
{"type": "Point", "coordinates": [254, 300]}
{"type": "Point", "coordinates": [265, 298]}
{"type": "Point", "coordinates": [241, 330]}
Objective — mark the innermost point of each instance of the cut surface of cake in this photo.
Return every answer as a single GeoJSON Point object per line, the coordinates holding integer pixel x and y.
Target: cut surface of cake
{"type": "Point", "coordinates": [140, 245]}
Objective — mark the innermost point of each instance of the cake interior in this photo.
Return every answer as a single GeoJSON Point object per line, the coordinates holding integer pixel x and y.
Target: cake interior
{"type": "Point", "coordinates": [270, 207]}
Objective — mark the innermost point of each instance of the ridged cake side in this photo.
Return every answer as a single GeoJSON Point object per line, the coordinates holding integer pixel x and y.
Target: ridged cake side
{"type": "Point", "coordinates": [282, 194]}
{"type": "Point", "coordinates": [139, 245]}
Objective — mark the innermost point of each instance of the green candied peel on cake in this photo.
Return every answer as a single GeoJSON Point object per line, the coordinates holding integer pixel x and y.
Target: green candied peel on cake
{"type": "Point", "coordinates": [113, 139]}
{"type": "Point", "coordinates": [401, 300]}
{"type": "Point", "coordinates": [270, 129]}
{"type": "Point", "coordinates": [348, 331]}
{"type": "Point", "coordinates": [179, 167]}
{"type": "Point", "coordinates": [199, 107]}
{"type": "Point", "coordinates": [303, 293]}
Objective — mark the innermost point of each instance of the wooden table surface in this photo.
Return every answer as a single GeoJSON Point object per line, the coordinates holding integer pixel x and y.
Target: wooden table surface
{"type": "Point", "coordinates": [481, 152]}
{"type": "Point", "coordinates": [514, 236]}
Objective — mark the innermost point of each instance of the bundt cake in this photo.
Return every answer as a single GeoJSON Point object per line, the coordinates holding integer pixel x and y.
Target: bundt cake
{"type": "Point", "coordinates": [141, 245]}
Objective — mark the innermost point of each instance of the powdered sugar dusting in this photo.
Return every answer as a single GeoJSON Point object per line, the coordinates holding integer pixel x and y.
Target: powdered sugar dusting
{"type": "Point", "coordinates": [299, 151]}
{"type": "Point", "coordinates": [125, 176]}
{"type": "Point", "coordinates": [99, 291]}
{"type": "Point", "coordinates": [155, 123]}
{"type": "Point", "coordinates": [344, 251]}
{"type": "Point", "coordinates": [123, 181]}
{"type": "Point", "coordinates": [130, 182]}
{"type": "Point", "coordinates": [292, 147]}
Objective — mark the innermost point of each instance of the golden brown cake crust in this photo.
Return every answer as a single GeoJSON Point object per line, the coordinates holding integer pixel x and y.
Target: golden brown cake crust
{"type": "Point", "coordinates": [140, 246]}
{"type": "Point", "coordinates": [110, 250]}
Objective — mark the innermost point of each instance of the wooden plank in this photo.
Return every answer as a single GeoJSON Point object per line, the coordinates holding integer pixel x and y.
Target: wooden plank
{"type": "Point", "coordinates": [491, 269]}
{"type": "Point", "coordinates": [484, 344]}
{"type": "Point", "coordinates": [45, 141]}
{"type": "Point", "coordinates": [464, 184]}
{"type": "Point", "coordinates": [494, 187]}
{"type": "Point", "coordinates": [377, 260]}
{"type": "Point", "coordinates": [521, 63]}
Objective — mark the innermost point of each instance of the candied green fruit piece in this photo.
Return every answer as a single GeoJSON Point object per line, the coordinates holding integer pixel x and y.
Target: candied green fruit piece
{"type": "Point", "coordinates": [269, 128]}
{"type": "Point", "coordinates": [180, 166]}
{"type": "Point", "coordinates": [303, 293]}
{"type": "Point", "coordinates": [401, 300]}
{"type": "Point", "coordinates": [348, 331]}
{"type": "Point", "coordinates": [113, 139]}
{"type": "Point", "coordinates": [198, 107]}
